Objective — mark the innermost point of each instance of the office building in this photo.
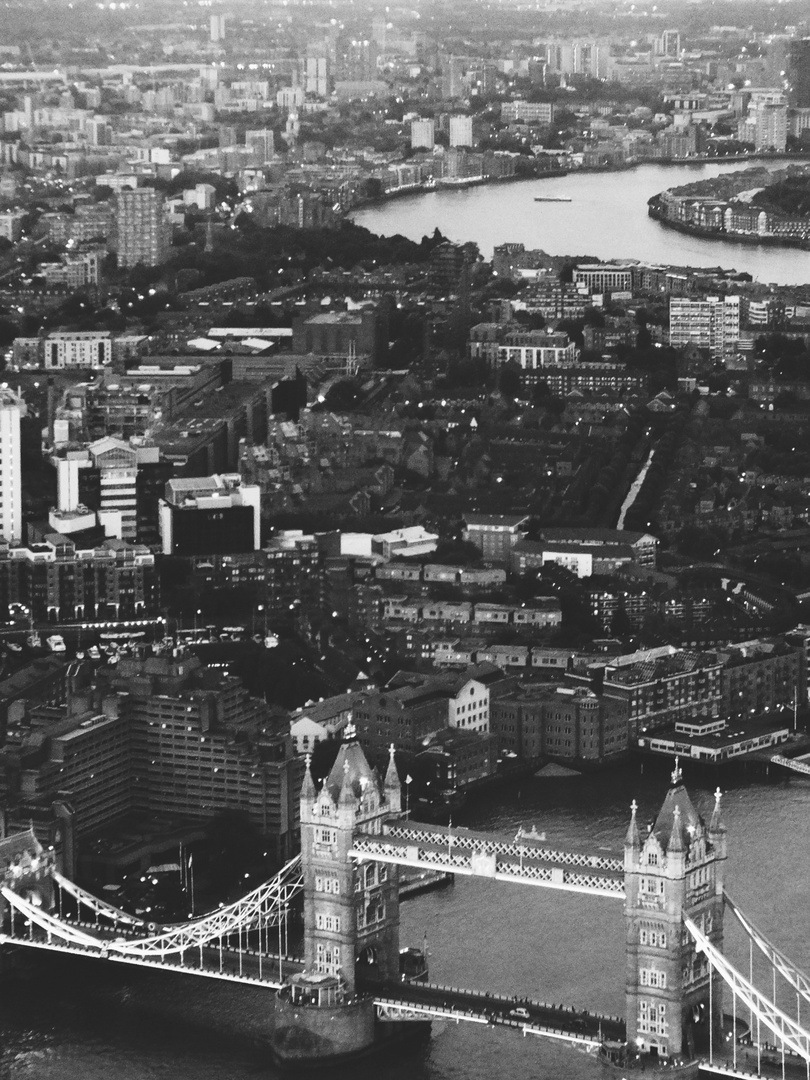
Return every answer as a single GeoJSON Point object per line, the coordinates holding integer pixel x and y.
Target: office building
{"type": "Point", "coordinates": [213, 515]}
{"type": "Point", "coordinates": [142, 231]}
{"type": "Point", "coordinates": [121, 481]}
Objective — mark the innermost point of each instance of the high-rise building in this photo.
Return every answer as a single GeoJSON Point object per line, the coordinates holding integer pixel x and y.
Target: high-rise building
{"type": "Point", "coordinates": [99, 132]}
{"type": "Point", "coordinates": [799, 73]}
{"type": "Point", "coordinates": [770, 131]}
{"type": "Point", "coordinates": [453, 81]}
{"type": "Point", "coordinates": [217, 28]}
{"type": "Point", "coordinates": [12, 407]}
{"type": "Point", "coordinates": [316, 75]}
{"type": "Point", "coordinates": [713, 323]}
{"type": "Point", "coordinates": [423, 134]}
{"type": "Point", "coordinates": [669, 44]}
{"type": "Point", "coordinates": [261, 144]}
{"type": "Point", "coordinates": [461, 131]}
{"type": "Point", "coordinates": [142, 232]}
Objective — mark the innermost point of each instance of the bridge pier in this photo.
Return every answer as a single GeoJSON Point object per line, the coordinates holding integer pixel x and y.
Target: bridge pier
{"type": "Point", "coordinates": [314, 1020]}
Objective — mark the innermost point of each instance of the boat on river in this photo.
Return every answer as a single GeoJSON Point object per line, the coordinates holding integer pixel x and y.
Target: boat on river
{"type": "Point", "coordinates": [552, 198]}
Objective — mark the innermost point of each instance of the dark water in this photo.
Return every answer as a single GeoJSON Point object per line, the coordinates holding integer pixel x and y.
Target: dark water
{"type": "Point", "coordinates": [77, 1022]}
{"type": "Point", "coordinates": [607, 217]}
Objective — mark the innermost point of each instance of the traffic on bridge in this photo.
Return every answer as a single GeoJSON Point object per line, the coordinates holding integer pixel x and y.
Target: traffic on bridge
{"type": "Point", "coordinates": [564, 1022]}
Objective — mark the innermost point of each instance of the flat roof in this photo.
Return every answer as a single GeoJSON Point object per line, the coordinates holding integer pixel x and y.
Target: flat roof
{"type": "Point", "coordinates": [736, 732]}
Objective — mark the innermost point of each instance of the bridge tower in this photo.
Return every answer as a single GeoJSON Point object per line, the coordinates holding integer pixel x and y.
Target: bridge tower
{"type": "Point", "coordinates": [677, 869]}
{"type": "Point", "coordinates": [351, 917]}
{"type": "Point", "coordinates": [351, 911]}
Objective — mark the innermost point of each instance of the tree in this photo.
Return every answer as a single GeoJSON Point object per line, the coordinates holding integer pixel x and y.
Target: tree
{"type": "Point", "coordinates": [235, 848]}
{"type": "Point", "coordinates": [343, 396]}
{"type": "Point", "coordinates": [509, 381]}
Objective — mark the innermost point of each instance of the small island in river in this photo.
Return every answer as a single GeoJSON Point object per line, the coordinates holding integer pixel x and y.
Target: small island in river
{"type": "Point", "coordinates": [756, 206]}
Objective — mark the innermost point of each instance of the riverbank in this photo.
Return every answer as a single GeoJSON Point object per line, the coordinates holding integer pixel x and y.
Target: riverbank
{"type": "Point", "coordinates": [432, 187]}
{"type": "Point", "coordinates": [608, 217]}
{"type": "Point", "coordinates": [657, 212]}
{"type": "Point", "coordinates": [428, 187]}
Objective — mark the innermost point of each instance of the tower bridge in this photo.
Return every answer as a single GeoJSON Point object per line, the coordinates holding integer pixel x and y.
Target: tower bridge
{"type": "Point", "coordinates": [349, 990]}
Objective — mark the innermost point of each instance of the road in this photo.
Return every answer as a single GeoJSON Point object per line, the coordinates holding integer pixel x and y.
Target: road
{"type": "Point", "coordinates": [496, 1009]}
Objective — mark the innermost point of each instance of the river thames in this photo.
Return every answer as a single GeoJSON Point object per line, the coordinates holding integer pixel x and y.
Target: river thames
{"type": "Point", "coordinates": [607, 218]}
{"type": "Point", "coordinates": [553, 946]}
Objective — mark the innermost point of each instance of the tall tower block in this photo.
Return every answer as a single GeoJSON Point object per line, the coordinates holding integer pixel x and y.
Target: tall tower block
{"type": "Point", "coordinates": [12, 407]}
{"type": "Point", "coordinates": [677, 869]}
{"type": "Point", "coordinates": [351, 910]}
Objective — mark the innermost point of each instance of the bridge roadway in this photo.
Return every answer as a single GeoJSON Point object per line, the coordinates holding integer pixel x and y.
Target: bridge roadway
{"type": "Point", "coordinates": [230, 963]}
{"type": "Point", "coordinates": [799, 764]}
{"type": "Point", "coordinates": [525, 858]}
{"type": "Point", "coordinates": [424, 1001]}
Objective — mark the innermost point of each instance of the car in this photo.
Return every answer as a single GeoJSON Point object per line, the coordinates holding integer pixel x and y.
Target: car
{"type": "Point", "coordinates": [520, 1014]}
{"type": "Point", "coordinates": [56, 643]}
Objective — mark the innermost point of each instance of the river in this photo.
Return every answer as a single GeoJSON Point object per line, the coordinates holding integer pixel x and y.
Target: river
{"type": "Point", "coordinates": [555, 946]}
{"type": "Point", "coordinates": [607, 218]}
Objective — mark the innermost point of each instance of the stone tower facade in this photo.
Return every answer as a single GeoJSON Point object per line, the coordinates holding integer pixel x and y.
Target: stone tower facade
{"type": "Point", "coordinates": [351, 909]}
{"type": "Point", "coordinates": [676, 869]}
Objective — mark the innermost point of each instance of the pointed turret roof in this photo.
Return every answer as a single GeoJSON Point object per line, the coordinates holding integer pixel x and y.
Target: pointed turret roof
{"type": "Point", "coordinates": [676, 837]}
{"type": "Point", "coordinates": [686, 818]}
{"type": "Point", "coordinates": [716, 824]}
{"type": "Point", "coordinates": [308, 789]}
{"type": "Point", "coordinates": [633, 839]}
{"type": "Point", "coordinates": [391, 774]}
{"type": "Point", "coordinates": [351, 774]}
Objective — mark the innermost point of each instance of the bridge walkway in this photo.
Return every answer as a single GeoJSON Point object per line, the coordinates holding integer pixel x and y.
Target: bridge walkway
{"type": "Point", "coordinates": [521, 859]}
